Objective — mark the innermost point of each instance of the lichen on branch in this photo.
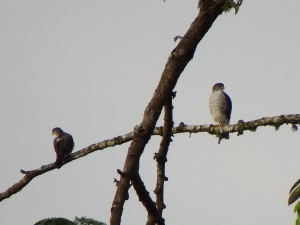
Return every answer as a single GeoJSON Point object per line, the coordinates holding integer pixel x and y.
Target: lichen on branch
{"type": "Point", "coordinates": [239, 128]}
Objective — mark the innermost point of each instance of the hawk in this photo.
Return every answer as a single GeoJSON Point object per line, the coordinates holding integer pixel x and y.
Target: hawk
{"type": "Point", "coordinates": [63, 145]}
{"type": "Point", "coordinates": [220, 106]}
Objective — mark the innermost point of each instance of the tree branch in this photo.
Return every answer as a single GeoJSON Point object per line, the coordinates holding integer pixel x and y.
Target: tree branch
{"type": "Point", "coordinates": [154, 217]}
{"type": "Point", "coordinates": [241, 126]}
{"type": "Point", "coordinates": [176, 63]}
{"type": "Point", "coordinates": [29, 175]}
{"type": "Point", "coordinates": [161, 156]}
{"type": "Point", "coordinates": [275, 121]}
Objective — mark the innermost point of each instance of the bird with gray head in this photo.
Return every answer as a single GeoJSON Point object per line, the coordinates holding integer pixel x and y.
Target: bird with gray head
{"type": "Point", "coordinates": [220, 106]}
{"type": "Point", "coordinates": [63, 145]}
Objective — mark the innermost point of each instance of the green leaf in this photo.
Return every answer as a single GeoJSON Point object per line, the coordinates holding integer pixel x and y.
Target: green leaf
{"type": "Point", "coordinates": [297, 208]}
{"type": "Point", "coordinates": [294, 185]}
{"type": "Point", "coordinates": [294, 195]}
{"type": "Point", "coordinates": [55, 221]}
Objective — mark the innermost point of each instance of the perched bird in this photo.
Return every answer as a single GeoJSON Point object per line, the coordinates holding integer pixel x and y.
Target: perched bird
{"type": "Point", "coordinates": [220, 107]}
{"type": "Point", "coordinates": [63, 145]}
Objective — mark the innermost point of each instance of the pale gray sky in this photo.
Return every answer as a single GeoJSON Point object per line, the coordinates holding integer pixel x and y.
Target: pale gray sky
{"type": "Point", "coordinates": [91, 67]}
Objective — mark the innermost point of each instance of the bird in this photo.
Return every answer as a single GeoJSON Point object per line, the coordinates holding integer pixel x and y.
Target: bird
{"type": "Point", "coordinates": [220, 106]}
{"type": "Point", "coordinates": [63, 145]}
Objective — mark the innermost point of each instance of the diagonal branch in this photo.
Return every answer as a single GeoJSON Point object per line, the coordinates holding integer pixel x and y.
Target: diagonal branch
{"type": "Point", "coordinates": [161, 156]}
{"type": "Point", "coordinates": [154, 217]}
{"type": "Point", "coordinates": [275, 121]}
{"type": "Point", "coordinates": [178, 60]}
{"type": "Point", "coordinates": [29, 175]}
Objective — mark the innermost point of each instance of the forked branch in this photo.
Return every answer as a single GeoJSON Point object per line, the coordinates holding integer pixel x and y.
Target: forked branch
{"type": "Point", "coordinates": [177, 61]}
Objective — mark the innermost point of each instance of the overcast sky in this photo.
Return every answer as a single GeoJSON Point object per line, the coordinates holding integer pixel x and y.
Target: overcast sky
{"type": "Point", "coordinates": [91, 67]}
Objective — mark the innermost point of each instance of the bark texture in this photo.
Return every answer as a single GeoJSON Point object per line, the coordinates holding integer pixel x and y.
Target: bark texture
{"type": "Point", "coordinates": [161, 156]}
{"type": "Point", "coordinates": [239, 128]}
{"type": "Point", "coordinates": [179, 58]}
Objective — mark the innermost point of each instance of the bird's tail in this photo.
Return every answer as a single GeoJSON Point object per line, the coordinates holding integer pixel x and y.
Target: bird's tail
{"type": "Point", "coordinates": [59, 160]}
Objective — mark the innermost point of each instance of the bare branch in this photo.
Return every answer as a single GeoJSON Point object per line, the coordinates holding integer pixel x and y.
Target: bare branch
{"type": "Point", "coordinates": [178, 60]}
{"type": "Point", "coordinates": [29, 175]}
{"type": "Point", "coordinates": [241, 126]}
{"type": "Point", "coordinates": [161, 156]}
{"type": "Point", "coordinates": [154, 217]}
{"type": "Point", "coordinates": [238, 128]}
